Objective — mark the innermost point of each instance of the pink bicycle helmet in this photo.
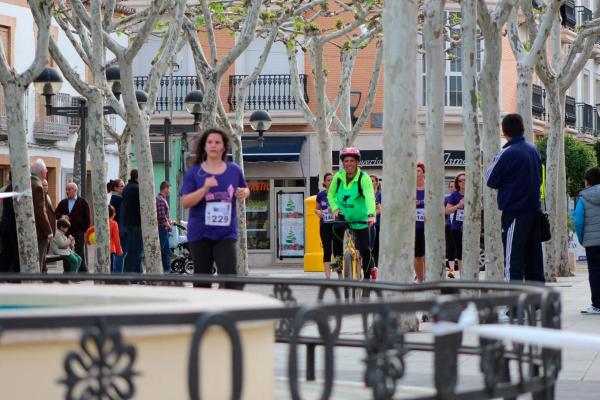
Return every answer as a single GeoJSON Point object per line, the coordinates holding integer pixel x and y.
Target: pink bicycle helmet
{"type": "Point", "coordinates": [350, 151]}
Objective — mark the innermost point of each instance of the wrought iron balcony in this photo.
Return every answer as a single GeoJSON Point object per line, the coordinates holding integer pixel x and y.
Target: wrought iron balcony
{"type": "Point", "coordinates": [570, 112]}
{"type": "Point", "coordinates": [538, 102]}
{"type": "Point", "coordinates": [584, 14]}
{"type": "Point", "coordinates": [182, 85]}
{"type": "Point", "coordinates": [53, 128]}
{"type": "Point", "coordinates": [567, 12]}
{"type": "Point", "coordinates": [267, 92]}
{"type": "Point", "coordinates": [585, 122]}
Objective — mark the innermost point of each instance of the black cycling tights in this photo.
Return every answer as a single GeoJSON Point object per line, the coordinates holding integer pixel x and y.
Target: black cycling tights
{"type": "Point", "coordinates": [362, 243]}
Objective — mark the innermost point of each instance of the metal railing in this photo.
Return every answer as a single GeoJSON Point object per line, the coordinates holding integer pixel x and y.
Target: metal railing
{"type": "Point", "coordinates": [585, 118]}
{"type": "Point", "coordinates": [596, 122]}
{"type": "Point", "coordinates": [584, 14]}
{"type": "Point", "coordinates": [52, 125]}
{"type": "Point", "coordinates": [538, 102]}
{"type": "Point", "coordinates": [570, 112]}
{"type": "Point", "coordinates": [568, 14]}
{"type": "Point", "coordinates": [507, 369]}
{"type": "Point", "coordinates": [182, 85]}
{"type": "Point", "coordinates": [267, 92]}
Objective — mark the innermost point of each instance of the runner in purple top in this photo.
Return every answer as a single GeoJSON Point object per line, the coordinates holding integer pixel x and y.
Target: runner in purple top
{"type": "Point", "coordinates": [448, 234]}
{"type": "Point", "coordinates": [456, 208]}
{"type": "Point", "coordinates": [325, 229]}
{"type": "Point", "coordinates": [419, 262]}
{"type": "Point", "coordinates": [210, 189]}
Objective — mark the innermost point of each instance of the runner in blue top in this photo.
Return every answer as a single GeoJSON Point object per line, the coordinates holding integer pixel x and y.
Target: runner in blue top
{"type": "Point", "coordinates": [456, 210]}
{"type": "Point", "coordinates": [419, 263]}
{"type": "Point", "coordinates": [325, 230]}
{"type": "Point", "coordinates": [210, 189]}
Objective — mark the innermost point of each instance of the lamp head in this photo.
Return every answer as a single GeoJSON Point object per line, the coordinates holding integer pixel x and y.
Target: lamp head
{"type": "Point", "coordinates": [113, 77]}
{"type": "Point", "coordinates": [141, 97]}
{"type": "Point", "coordinates": [193, 102]}
{"type": "Point", "coordinates": [260, 121]}
{"type": "Point", "coordinates": [48, 82]}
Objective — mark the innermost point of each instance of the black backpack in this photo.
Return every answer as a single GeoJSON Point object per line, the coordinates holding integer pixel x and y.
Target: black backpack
{"type": "Point", "coordinates": [360, 190]}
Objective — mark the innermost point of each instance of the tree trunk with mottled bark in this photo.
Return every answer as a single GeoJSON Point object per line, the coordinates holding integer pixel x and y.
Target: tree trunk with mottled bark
{"type": "Point", "coordinates": [434, 184]}
{"type": "Point", "coordinates": [472, 200]}
{"type": "Point", "coordinates": [491, 27]}
{"type": "Point", "coordinates": [21, 179]}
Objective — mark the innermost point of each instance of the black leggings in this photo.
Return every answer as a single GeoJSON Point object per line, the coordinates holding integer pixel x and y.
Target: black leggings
{"type": "Point", "coordinates": [326, 233]}
{"type": "Point", "coordinates": [363, 243]}
{"type": "Point", "coordinates": [223, 253]}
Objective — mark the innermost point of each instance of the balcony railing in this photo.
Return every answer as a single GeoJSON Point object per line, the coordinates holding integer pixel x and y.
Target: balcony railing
{"type": "Point", "coordinates": [182, 85]}
{"type": "Point", "coordinates": [596, 122]}
{"type": "Point", "coordinates": [570, 112]}
{"type": "Point", "coordinates": [267, 92]}
{"type": "Point", "coordinates": [52, 127]}
{"type": "Point", "coordinates": [585, 120]}
{"type": "Point", "coordinates": [567, 12]}
{"type": "Point", "coordinates": [538, 102]}
{"type": "Point", "coordinates": [584, 14]}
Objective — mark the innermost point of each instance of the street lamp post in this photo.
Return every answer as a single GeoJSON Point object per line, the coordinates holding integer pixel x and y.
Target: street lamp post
{"type": "Point", "coordinates": [49, 83]}
{"type": "Point", "coordinates": [260, 121]}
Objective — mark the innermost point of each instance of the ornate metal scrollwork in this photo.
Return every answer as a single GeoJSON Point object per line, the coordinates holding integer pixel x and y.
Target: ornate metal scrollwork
{"type": "Point", "coordinates": [202, 325]}
{"type": "Point", "coordinates": [102, 368]}
{"type": "Point", "coordinates": [446, 349]}
{"type": "Point", "coordinates": [551, 309]}
{"type": "Point", "coordinates": [385, 352]}
{"type": "Point", "coordinates": [492, 360]}
{"type": "Point", "coordinates": [284, 293]}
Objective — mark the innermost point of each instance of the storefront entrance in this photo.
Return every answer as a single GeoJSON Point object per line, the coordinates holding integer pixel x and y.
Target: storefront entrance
{"type": "Point", "coordinates": [275, 221]}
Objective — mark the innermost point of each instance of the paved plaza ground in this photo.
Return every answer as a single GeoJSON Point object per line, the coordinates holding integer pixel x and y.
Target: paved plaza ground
{"type": "Point", "coordinates": [579, 378]}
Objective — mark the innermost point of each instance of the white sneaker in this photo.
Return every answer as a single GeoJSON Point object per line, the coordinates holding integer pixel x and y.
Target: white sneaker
{"type": "Point", "coordinates": [591, 310]}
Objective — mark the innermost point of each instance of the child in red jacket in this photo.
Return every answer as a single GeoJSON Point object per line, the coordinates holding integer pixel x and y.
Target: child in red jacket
{"type": "Point", "coordinates": [115, 242]}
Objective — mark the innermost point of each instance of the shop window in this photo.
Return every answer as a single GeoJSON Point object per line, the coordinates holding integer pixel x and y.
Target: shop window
{"type": "Point", "coordinates": [257, 215]}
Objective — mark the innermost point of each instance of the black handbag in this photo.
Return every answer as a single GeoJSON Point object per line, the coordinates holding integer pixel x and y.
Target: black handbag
{"type": "Point", "coordinates": [544, 222]}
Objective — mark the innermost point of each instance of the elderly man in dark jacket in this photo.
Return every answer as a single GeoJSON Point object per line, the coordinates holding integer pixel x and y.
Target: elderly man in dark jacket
{"type": "Point", "coordinates": [43, 227]}
{"type": "Point", "coordinates": [77, 210]}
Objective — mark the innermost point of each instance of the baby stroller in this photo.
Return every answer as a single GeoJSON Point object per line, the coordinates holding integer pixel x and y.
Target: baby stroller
{"type": "Point", "coordinates": [181, 261]}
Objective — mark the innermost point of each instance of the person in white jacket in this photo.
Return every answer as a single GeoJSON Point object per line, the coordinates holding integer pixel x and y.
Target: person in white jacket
{"type": "Point", "coordinates": [63, 245]}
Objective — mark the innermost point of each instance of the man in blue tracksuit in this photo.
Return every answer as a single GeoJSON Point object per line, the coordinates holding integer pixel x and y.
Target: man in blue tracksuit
{"type": "Point", "coordinates": [517, 174]}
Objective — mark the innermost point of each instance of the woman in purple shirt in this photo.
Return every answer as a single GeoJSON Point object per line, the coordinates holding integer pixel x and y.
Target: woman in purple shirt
{"type": "Point", "coordinates": [210, 189]}
{"type": "Point", "coordinates": [456, 209]}
{"type": "Point", "coordinates": [325, 225]}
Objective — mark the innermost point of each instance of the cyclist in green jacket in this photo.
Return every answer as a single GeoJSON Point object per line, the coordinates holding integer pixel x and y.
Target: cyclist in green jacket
{"type": "Point", "coordinates": [351, 198]}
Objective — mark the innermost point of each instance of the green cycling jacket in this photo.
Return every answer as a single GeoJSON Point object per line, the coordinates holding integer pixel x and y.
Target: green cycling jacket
{"type": "Point", "coordinates": [348, 200]}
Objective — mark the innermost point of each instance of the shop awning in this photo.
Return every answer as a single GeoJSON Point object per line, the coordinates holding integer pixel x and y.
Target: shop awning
{"type": "Point", "coordinates": [275, 148]}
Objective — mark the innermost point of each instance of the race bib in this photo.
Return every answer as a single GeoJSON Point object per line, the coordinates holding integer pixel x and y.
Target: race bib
{"type": "Point", "coordinates": [218, 213]}
{"type": "Point", "coordinates": [460, 215]}
{"type": "Point", "coordinates": [327, 217]}
{"type": "Point", "coordinates": [420, 215]}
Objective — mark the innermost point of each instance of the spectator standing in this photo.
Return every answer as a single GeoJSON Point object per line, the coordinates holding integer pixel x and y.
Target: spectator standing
{"type": "Point", "coordinates": [455, 209]}
{"type": "Point", "coordinates": [517, 174]}
{"type": "Point", "coordinates": [49, 207]}
{"type": "Point", "coordinates": [63, 245]}
{"type": "Point", "coordinates": [116, 199]}
{"type": "Point", "coordinates": [210, 190]}
{"type": "Point", "coordinates": [114, 240]}
{"type": "Point", "coordinates": [164, 224]}
{"type": "Point", "coordinates": [586, 219]}
{"type": "Point", "coordinates": [8, 230]}
{"type": "Point", "coordinates": [43, 228]}
{"type": "Point", "coordinates": [325, 223]}
{"type": "Point", "coordinates": [77, 210]}
{"type": "Point", "coordinates": [419, 262]}
{"type": "Point", "coordinates": [132, 224]}
{"type": "Point", "coordinates": [376, 228]}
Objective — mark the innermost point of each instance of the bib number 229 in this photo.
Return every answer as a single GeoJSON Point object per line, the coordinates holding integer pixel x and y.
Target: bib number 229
{"type": "Point", "coordinates": [218, 214]}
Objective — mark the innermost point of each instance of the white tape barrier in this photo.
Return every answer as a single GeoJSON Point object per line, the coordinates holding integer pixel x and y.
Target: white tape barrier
{"type": "Point", "coordinates": [552, 338]}
{"type": "Point", "coordinates": [16, 195]}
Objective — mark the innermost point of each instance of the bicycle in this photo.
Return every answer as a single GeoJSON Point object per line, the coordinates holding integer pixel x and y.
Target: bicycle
{"type": "Point", "coordinates": [351, 262]}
